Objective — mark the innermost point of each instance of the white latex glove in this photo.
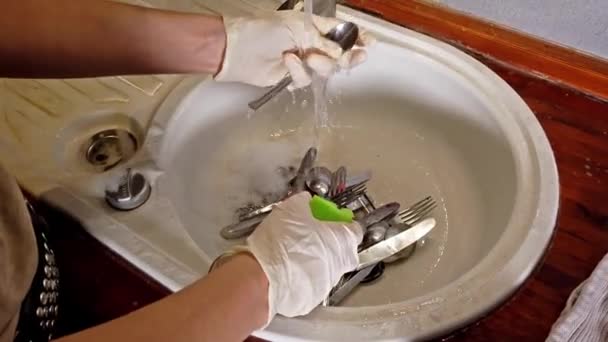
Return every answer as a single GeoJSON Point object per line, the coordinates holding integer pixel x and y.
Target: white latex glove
{"type": "Point", "coordinates": [262, 50]}
{"type": "Point", "coordinates": [302, 257]}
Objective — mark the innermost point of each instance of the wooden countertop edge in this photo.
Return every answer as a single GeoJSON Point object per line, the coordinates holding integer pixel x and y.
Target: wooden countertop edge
{"type": "Point", "coordinates": [544, 59]}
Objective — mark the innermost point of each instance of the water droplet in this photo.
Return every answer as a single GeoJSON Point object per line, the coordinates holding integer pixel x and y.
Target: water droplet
{"type": "Point", "coordinates": [304, 103]}
{"type": "Point", "coordinates": [587, 167]}
{"type": "Point", "coordinates": [589, 174]}
{"type": "Point", "coordinates": [588, 159]}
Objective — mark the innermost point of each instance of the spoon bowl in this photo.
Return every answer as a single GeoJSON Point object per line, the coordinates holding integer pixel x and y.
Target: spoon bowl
{"type": "Point", "coordinates": [345, 34]}
{"type": "Point", "coordinates": [318, 180]}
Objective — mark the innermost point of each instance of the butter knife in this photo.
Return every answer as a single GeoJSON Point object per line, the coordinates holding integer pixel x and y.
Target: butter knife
{"type": "Point", "coordinates": [384, 249]}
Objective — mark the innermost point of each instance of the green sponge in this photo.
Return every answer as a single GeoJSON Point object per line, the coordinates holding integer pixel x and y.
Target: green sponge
{"type": "Point", "coordinates": [326, 210]}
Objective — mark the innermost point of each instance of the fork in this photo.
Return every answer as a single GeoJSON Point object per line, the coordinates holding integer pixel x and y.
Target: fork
{"type": "Point", "coordinates": [349, 195]}
{"type": "Point", "coordinates": [416, 212]}
{"type": "Point", "coordinates": [409, 216]}
{"type": "Point", "coordinates": [406, 219]}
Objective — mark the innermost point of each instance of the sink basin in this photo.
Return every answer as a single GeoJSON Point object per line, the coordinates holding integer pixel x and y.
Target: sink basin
{"type": "Point", "coordinates": [426, 119]}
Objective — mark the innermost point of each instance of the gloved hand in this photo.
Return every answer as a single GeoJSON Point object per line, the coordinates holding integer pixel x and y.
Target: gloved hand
{"type": "Point", "coordinates": [262, 50]}
{"type": "Point", "coordinates": [303, 258]}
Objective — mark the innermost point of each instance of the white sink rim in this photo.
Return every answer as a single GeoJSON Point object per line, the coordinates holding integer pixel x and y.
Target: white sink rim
{"type": "Point", "coordinates": [537, 205]}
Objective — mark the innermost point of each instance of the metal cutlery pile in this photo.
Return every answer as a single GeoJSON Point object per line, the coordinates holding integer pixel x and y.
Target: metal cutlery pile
{"type": "Point", "coordinates": [390, 235]}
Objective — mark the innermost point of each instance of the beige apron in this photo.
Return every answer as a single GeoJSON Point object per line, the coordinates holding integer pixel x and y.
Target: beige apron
{"type": "Point", "coordinates": [18, 254]}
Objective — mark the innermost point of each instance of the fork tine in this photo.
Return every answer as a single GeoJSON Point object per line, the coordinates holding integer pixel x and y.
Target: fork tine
{"type": "Point", "coordinates": [418, 208]}
{"type": "Point", "coordinates": [414, 207]}
{"type": "Point", "coordinates": [419, 214]}
{"type": "Point", "coordinates": [349, 189]}
{"type": "Point", "coordinates": [417, 211]}
{"type": "Point", "coordinates": [348, 192]}
{"type": "Point", "coordinates": [351, 197]}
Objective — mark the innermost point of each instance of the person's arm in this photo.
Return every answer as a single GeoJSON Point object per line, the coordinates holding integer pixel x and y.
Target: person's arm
{"type": "Point", "coordinates": [68, 38]}
{"type": "Point", "coordinates": [226, 305]}
{"type": "Point", "coordinates": [289, 265]}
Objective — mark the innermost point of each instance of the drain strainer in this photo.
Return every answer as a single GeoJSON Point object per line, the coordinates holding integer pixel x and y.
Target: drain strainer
{"type": "Point", "coordinates": [133, 191]}
{"type": "Point", "coordinates": [108, 148]}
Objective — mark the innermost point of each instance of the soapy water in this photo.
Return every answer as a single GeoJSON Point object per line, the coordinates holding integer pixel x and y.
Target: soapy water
{"type": "Point", "coordinates": [407, 159]}
{"type": "Point", "coordinates": [240, 172]}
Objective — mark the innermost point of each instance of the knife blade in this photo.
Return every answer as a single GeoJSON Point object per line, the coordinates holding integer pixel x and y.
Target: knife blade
{"type": "Point", "coordinates": [395, 244]}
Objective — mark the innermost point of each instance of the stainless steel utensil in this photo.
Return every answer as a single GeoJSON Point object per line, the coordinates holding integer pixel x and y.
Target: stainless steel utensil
{"type": "Point", "coordinates": [242, 228]}
{"type": "Point", "coordinates": [319, 181]}
{"type": "Point", "coordinates": [374, 234]}
{"type": "Point", "coordinates": [412, 215]}
{"type": "Point", "coordinates": [404, 254]}
{"type": "Point", "coordinates": [349, 195]}
{"type": "Point", "coordinates": [375, 274]}
{"type": "Point", "coordinates": [250, 220]}
{"type": "Point", "coordinates": [338, 183]}
{"type": "Point", "coordinates": [383, 213]}
{"type": "Point", "coordinates": [348, 286]}
{"type": "Point", "coordinates": [345, 34]}
{"type": "Point", "coordinates": [259, 211]}
{"type": "Point", "coordinates": [299, 183]}
{"type": "Point", "coordinates": [395, 244]}
{"type": "Point", "coordinates": [378, 253]}
{"type": "Point", "coordinates": [417, 212]}
{"type": "Point", "coordinates": [357, 179]}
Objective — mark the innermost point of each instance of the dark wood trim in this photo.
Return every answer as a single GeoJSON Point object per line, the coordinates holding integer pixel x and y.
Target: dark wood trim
{"type": "Point", "coordinates": [519, 50]}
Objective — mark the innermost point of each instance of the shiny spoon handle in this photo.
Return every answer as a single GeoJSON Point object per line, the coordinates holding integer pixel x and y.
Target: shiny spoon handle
{"type": "Point", "coordinates": [242, 228]}
{"type": "Point", "coordinates": [271, 93]}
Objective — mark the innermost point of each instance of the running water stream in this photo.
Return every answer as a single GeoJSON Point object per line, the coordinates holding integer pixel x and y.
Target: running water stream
{"type": "Point", "coordinates": [321, 114]}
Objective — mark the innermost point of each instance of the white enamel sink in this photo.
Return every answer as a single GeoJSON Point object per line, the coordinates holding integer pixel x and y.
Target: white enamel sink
{"type": "Point", "coordinates": [425, 118]}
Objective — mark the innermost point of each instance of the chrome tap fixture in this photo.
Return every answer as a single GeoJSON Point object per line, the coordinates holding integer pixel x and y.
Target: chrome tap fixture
{"type": "Point", "coordinates": [324, 8]}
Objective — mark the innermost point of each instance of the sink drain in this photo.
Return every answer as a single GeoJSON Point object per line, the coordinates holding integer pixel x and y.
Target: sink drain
{"type": "Point", "coordinates": [108, 148]}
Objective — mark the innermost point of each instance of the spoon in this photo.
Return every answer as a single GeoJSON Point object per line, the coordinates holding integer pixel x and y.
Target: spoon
{"type": "Point", "coordinates": [345, 34]}
{"type": "Point", "coordinates": [373, 235]}
{"type": "Point", "coordinates": [318, 180]}
{"type": "Point", "coordinates": [338, 182]}
{"type": "Point", "coordinates": [299, 182]}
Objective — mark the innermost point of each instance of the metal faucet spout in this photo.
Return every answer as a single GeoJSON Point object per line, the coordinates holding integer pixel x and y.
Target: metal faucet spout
{"type": "Point", "coordinates": [324, 8]}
